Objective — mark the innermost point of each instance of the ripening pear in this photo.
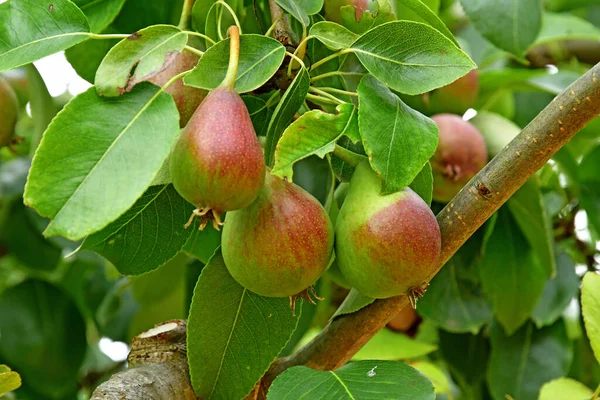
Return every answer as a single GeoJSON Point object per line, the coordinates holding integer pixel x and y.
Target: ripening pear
{"type": "Point", "coordinates": [461, 153]}
{"type": "Point", "coordinates": [217, 163]}
{"type": "Point", "coordinates": [279, 245]}
{"type": "Point", "coordinates": [386, 245]}
{"type": "Point", "coordinates": [9, 111]}
{"type": "Point", "coordinates": [187, 98]}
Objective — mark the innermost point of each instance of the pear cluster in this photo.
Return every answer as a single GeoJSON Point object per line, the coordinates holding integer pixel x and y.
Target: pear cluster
{"type": "Point", "coordinates": [277, 238]}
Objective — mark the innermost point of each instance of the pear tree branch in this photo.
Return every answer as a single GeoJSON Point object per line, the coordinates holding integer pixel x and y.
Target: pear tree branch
{"type": "Point", "coordinates": [566, 115]}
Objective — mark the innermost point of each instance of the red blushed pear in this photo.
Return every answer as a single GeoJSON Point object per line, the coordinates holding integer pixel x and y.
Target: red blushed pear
{"type": "Point", "coordinates": [461, 153]}
{"type": "Point", "coordinates": [281, 244]}
{"type": "Point", "coordinates": [187, 98]}
{"type": "Point", "coordinates": [333, 10]}
{"type": "Point", "coordinates": [217, 163]}
{"type": "Point", "coordinates": [386, 245]}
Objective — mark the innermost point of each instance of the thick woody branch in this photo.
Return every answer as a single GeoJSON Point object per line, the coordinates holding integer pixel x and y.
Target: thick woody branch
{"type": "Point", "coordinates": [568, 113]}
{"type": "Point", "coordinates": [158, 368]}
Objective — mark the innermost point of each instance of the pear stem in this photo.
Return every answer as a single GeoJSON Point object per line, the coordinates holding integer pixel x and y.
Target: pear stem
{"type": "Point", "coordinates": [349, 157]}
{"type": "Point", "coordinates": [185, 14]}
{"type": "Point", "coordinates": [234, 57]}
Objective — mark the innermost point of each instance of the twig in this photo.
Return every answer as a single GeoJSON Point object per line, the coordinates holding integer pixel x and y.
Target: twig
{"type": "Point", "coordinates": [283, 31]}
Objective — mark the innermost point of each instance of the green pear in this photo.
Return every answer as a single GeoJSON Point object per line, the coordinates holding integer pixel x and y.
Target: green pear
{"type": "Point", "coordinates": [496, 130]}
{"type": "Point", "coordinates": [386, 245]}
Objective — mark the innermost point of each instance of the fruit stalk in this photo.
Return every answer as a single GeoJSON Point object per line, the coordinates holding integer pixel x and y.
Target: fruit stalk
{"type": "Point", "coordinates": [234, 58]}
{"type": "Point", "coordinates": [480, 198]}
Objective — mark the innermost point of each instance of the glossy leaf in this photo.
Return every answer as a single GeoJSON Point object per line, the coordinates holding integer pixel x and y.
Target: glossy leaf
{"type": "Point", "coordinates": [557, 27]}
{"type": "Point", "coordinates": [139, 14]}
{"type": "Point", "coordinates": [369, 19]}
{"type": "Point", "coordinates": [528, 211]}
{"type": "Point", "coordinates": [423, 183]}
{"type": "Point", "coordinates": [398, 139]}
{"type": "Point", "coordinates": [590, 304]}
{"type": "Point", "coordinates": [290, 103]}
{"type": "Point", "coordinates": [537, 356]}
{"type": "Point", "coordinates": [466, 354]}
{"type": "Point", "coordinates": [428, 15]}
{"type": "Point", "coordinates": [202, 243]}
{"type": "Point", "coordinates": [565, 389]}
{"type": "Point", "coordinates": [149, 234]}
{"type": "Point", "coordinates": [32, 29]}
{"type": "Point", "coordinates": [333, 35]}
{"type": "Point", "coordinates": [512, 276]}
{"type": "Point", "coordinates": [455, 301]}
{"type": "Point", "coordinates": [86, 57]}
{"type": "Point", "coordinates": [246, 333]}
{"type": "Point", "coordinates": [260, 109]}
{"type": "Point", "coordinates": [353, 302]}
{"type": "Point", "coordinates": [365, 380]}
{"type": "Point", "coordinates": [301, 9]}
{"type": "Point", "coordinates": [260, 58]}
{"type": "Point", "coordinates": [516, 25]}
{"type": "Point", "coordinates": [417, 59]}
{"type": "Point", "coordinates": [558, 292]}
{"type": "Point", "coordinates": [590, 186]}
{"type": "Point", "coordinates": [436, 375]}
{"type": "Point", "coordinates": [9, 380]}
{"type": "Point", "coordinates": [100, 13]}
{"type": "Point", "coordinates": [138, 58]}
{"type": "Point", "coordinates": [389, 345]}
{"type": "Point", "coordinates": [314, 133]}
{"type": "Point", "coordinates": [40, 321]}
{"type": "Point", "coordinates": [90, 169]}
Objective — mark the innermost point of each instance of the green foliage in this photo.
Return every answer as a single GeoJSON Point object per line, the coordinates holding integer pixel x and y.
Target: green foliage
{"type": "Point", "coordinates": [358, 380]}
{"type": "Point", "coordinates": [499, 319]}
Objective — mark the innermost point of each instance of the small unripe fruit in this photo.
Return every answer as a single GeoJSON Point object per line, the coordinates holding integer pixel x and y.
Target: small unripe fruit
{"type": "Point", "coordinates": [404, 320]}
{"type": "Point", "coordinates": [17, 79]}
{"type": "Point", "coordinates": [496, 130]}
{"type": "Point", "coordinates": [217, 163]}
{"type": "Point", "coordinates": [9, 111]}
{"type": "Point", "coordinates": [187, 98]}
{"type": "Point", "coordinates": [461, 153]}
{"type": "Point", "coordinates": [386, 245]}
{"type": "Point", "coordinates": [457, 97]}
{"type": "Point", "coordinates": [279, 245]}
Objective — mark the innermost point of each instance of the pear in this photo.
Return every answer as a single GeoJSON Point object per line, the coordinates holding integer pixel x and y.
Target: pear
{"type": "Point", "coordinates": [386, 245]}
{"type": "Point", "coordinates": [187, 98]}
{"type": "Point", "coordinates": [281, 244]}
{"type": "Point", "coordinates": [217, 163]}
{"type": "Point", "coordinates": [9, 111]}
{"type": "Point", "coordinates": [461, 153]}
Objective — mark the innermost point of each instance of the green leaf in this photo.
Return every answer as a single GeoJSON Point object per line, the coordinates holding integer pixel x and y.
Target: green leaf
{"type": "Point", "coordinates": [369, 19]}
{"type": "Point", "coordinates": [590, 186]}
{"type": "Point", "coordinates": [90, 169]}
{"type": "Point", "coordinates": [511, 274]}
{"type": "Point", "coordinates": [32, 29]}
{"type": "Point", "coordinates": [557, 27]}
{"type": "Point", "coordinates": [100, 13]}
{"type": "Point", "coordinates": [398, 139]}
{"type": "Point", "coordinates": [139, 14]}
{"type": "Point", "coordinates": [528, 210]}
{"type": "Point", "coordinates": [301, 9]}
{"type": "Point", "coordinates": [333, 35]}
{"type": "Point", "coordinates": [314, 133]}
{"type": "Point", "coordinates": [353, 302]}
{"type": "Point", "coordinates": [423, 183]}
{"type": "Point", "coordinates": [535, 357]}
{"type": "Point", "coordinates": [428, 15]}
{"type": "Point", "coordinates": [246, 333]}
{"type": "Point", "coordinates": [389, 345]}
{"type": "Point", "coordinates": [516, 23]}
{"type": "Point", "coordinates": [260, 110]}
{"type": "Point", "coordinates": [148, 235]}
{"type": "Point", "coordinates": [590, 304]}
{"type": "Point", "coordinates": [365, 380]}
{"type": "Point", "coordinates": [411, 57]}
{"type": "Point", "coordinates": [455, 301]}
{"type": "Point", "coordinates": [203, 243]}
{"type": "Point", "coordinates": [558, 292]}
{"type": "Point", "coordinates": [565, 389]}
{"type": "Point", "coordinates": [145, 53]}
{"type": "Point", "coordinates": [9, 380]}
{"type": "Point", "coordinates": [466, 354]}
{"type": "Point", "coordinates": [436, 375]}
{"type": "Point", "coordinates": [40, 321]}
{"type": "Point", "coordinates": [86, 57]}
{"type": "Point", "coordinates": [260, 58]}
{"type": "Point", "coordinates": [290, 103]}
